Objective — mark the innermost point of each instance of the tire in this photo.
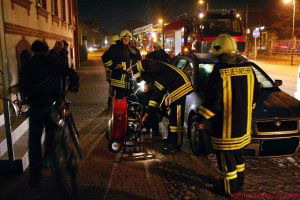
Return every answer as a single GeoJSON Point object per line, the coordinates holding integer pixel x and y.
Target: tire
{"type": "Point", "coordinates": [198, 138]}
{"type": "Point", "coordinates": [114, 145]}
{"type": "Point", "coordinates": [66, 161]}
{"type": "Point", "coordinates": [180, 138]}
{"type": "Point", "coordinates": [108, 132]}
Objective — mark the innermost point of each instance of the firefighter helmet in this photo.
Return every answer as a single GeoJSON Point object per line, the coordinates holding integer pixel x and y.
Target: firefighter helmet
{"type": "Point", "coordinates": [224, 43]}
{"type": "Point", "coordinates": [114, 38]}
{"type": "Point", "coordinates": [125, 34]}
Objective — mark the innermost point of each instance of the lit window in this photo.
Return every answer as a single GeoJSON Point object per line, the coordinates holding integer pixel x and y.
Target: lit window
{"type": "Point", "coordinates": [63, 10]}
{"type": "Point", "coordinates": [54, 8]}
{"type": "Point", "coordinates": [70, 11]}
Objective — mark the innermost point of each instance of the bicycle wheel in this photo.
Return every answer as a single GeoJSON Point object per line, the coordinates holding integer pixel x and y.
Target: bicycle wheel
{"type": "Point", "coordinates": [66, 159]}
{"type": "Point", "coordinates": [73, 133]}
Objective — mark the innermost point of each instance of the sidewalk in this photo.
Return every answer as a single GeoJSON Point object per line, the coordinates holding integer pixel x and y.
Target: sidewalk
{"type": "Point", "coordinates": [279, 67]}
{"type": "Point", "coordinates": [277, 59]}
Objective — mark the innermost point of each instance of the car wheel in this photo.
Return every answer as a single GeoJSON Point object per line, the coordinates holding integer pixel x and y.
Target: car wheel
{"type": "Point", "coordinates": [114, 145]}
{"type": "Point", "coordinates": [197, 137]}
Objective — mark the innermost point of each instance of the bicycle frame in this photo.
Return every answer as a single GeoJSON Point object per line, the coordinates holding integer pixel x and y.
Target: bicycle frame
{"type": "Point", "coordinates": [67, 119]}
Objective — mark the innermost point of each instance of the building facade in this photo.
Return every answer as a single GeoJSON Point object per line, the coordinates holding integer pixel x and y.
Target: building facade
{"type": "Point", "coordinates": [21, 23]}
{"type": "Point", "coordinates": [28, 20]}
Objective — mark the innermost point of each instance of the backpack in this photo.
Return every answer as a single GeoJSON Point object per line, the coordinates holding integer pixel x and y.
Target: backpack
{"type": "Point", "coordinates": [73, 80]}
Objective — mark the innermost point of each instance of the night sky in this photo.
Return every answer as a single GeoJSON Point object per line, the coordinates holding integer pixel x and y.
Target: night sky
{"type": "Point", "coordinates": [115, 15]}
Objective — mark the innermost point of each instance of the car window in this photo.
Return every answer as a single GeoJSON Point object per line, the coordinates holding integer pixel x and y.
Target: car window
{"type": "Point", "coordinates": [204, 72]}
{"type": "Point", "coordinates": [181, 63]}
{"type": "Point", "coordinates": [206, 69]}
{"type": "Point", "coordinates": [188, 70]}
{"type": "Point", "coordinates": [262, 79]}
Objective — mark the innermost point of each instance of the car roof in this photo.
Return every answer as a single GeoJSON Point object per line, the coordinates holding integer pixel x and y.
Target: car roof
{"type": "Point", "coordinates": [206, 58]}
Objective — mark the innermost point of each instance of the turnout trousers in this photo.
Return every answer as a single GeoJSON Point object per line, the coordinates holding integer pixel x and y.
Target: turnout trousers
{"type": "Point", "coordinates": [232, 166]}
{"type": "Point", "coordinates": [176, 119]}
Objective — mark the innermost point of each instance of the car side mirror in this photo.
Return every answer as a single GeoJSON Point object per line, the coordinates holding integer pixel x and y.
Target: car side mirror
{"type": "Point", "coordinates": [278, 82]}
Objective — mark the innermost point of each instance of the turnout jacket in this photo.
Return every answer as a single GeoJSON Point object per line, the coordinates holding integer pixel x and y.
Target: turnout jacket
{"type": "Point", "coordinates": [229, 102]}
{"type": "Point", "coordinates": [117, 54]}
{"type": "Point", "coordinates": [169, 82]}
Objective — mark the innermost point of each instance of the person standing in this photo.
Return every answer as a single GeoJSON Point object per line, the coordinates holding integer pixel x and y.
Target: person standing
{"type": "Point", "coordinates": [60, 54]}
{"type": "Point", "coordinates": [41, 86]}
{"type": "Point", "coordinates": [135, 54]}
{"type": "Point", "coordinates": [159, 54]}
{"type": "Point", "coordinates": [117, 58]}
{"type": "Point", "coordinates": [229, 100]}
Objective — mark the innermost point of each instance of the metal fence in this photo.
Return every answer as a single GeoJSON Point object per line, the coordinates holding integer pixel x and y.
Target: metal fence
{"type": "Point", "coordinates": [285, 46]}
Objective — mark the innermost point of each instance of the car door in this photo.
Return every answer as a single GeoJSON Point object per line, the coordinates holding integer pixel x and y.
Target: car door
{"type": "Point", "coordinates": [186, 64]}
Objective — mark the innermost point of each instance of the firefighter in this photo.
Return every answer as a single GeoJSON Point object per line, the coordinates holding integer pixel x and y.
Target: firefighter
{"type": "Point", "coordinates": [229, 101]}
{"type": "Point", "coordinates": [170, 85]}
{"type": "Point", "coordinates": [135, 54]}
{"type": "Point", "coordinates": [159, 54]}
{"type": "Point", "coordinates": [117, 58]}
{"type": "Point", "coordinates": [113, 41]}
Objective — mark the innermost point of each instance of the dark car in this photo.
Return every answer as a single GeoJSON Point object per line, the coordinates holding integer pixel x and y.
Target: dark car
{"type": "Point", "coordinates": [276, 117]}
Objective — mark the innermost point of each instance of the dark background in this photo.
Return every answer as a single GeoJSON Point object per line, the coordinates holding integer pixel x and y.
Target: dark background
{"type": "Point", "coordinates": [114, 15]}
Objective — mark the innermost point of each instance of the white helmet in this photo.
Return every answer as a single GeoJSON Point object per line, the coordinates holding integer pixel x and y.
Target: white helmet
{"type": "Point", "coordinates": [114, 38]}
{"type": "Point", "coordinates": [224, 43]}
{"type": "Point", "coordinates": [125, 34]}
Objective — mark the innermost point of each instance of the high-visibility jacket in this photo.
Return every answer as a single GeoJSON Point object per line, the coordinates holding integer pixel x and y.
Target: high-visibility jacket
{"type": "Point", "coordinates": [167, 79]}
{"type": "Point", "coordinates": [229, 99]}
{"type": "Point", "coordinates": [117, 54]}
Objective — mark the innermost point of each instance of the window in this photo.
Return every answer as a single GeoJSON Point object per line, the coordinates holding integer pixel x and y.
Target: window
{"type": "Point", "coordinates": [63, 10]}
{"type": "Point", "coordinates": [262, 79]}
{"type": "Point", "coordinates": [70, 11]}
{"type": "Point", "coordinates": [215, 27]}
{"type": "Point", "coordinates": [188, 70]}
{"type": "Point", "coordinates": [23, 3]}
{"type": "Point", "coordinates": [203, 75]}
{"type": "Point", "coordinates": [181, 63]}
{"type": "Point", "coordinates": [42, 3]}
{"type": "Point", "coordinates": [54, 8]}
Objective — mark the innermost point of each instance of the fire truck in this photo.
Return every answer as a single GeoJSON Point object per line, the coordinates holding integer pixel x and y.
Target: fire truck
{"type": "Point", "coordinates": [197, 34]}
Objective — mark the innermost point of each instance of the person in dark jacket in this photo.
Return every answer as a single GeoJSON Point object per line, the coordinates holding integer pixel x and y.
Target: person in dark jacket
{"type": "Point", "coordinates": [41, 86]}
{"type": "Point", "coordinates": [60, 54]}
{"type": "Point", "coordinates": [117, 58]}
{"type": "Point", "coordinates": [171, 85]}
{"type": "Point", "coordinates": [64, 53]}
{"type": "Point", "coordinates": [229, 101]}
{"type": "Point", "coordinates": [159, 54]}
{"type": "Point", "coordinates": [135, 54]}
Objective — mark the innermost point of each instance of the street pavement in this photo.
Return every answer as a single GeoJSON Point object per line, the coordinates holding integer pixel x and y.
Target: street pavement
{"type": "Point", "coordinates": [285, 72]}
{"type": "Point", "coordinates": [122, 176]}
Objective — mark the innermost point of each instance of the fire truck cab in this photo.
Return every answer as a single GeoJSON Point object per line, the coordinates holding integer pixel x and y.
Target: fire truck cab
{"type": "Point", "coordinates": [196, 34]}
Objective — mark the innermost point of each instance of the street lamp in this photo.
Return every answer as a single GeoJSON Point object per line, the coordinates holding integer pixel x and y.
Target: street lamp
{"type": "Point", "coordinates": [161, 21]}
{"type": "Point", "coordinates": [201, 15]}
{"type": "Point", "coordinates": [293, 30]}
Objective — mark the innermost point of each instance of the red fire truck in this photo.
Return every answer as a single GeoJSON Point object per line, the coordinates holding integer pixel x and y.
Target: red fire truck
{"type": "Point", "coordinates": [197, 33]}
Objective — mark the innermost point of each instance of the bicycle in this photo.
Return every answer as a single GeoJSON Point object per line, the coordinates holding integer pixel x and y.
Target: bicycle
{"type": "Point", "coordinates": [67, 151]}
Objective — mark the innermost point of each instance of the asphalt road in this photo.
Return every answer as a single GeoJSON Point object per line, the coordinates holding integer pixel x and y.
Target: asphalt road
{"type": "Point", "coordinates": [288, 74]}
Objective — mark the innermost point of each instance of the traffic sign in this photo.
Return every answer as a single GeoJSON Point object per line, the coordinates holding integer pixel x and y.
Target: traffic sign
{"type": "Point", "coordinates": [256, 33]}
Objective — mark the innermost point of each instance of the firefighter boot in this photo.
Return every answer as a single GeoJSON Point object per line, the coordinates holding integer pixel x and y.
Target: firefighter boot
{"type": "Point", "coordinates": [173, 143]}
